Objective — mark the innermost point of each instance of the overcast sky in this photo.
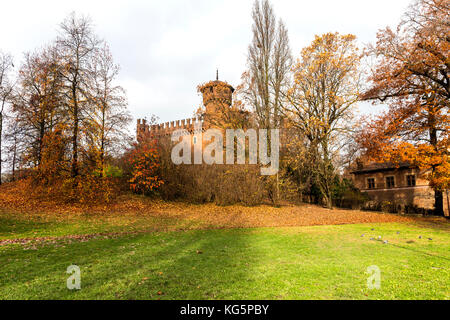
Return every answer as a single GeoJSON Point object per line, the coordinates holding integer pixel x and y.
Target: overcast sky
{"type": "Point", "coordinates": [166, 48]}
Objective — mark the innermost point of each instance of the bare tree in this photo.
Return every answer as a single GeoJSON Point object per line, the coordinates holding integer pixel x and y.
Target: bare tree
{"type": "Point", "coordinates": [268, 61]}
{"type": "Point", "coordinates": [110, 116]}
{"type": "Point", "coordinates": [15, 144]}
{"type": "Point", "coordinates": [78, 45]}
{"type": "Point", "coordinates": [268, 65]}
{"type": "Point", "coordinates": [6, 89]}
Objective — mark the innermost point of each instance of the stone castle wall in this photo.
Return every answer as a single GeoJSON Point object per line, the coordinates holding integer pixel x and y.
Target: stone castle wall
{"type": "Point", "coordinates": [144, 130]}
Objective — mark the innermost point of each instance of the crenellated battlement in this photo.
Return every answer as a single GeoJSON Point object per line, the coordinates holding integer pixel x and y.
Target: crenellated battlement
{"type": "Point", "coordinates": [164, 129]}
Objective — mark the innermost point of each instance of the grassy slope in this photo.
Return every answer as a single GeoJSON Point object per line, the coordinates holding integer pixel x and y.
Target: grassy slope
{"type": "Point", "coordinates": [323, 262]}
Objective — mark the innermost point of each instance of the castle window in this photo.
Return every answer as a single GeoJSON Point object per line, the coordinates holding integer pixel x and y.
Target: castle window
{"type": "Point", "coordinates": [390, 182]}
{"type": "Point", "coordinates": [371, 183]}
{"type": "Point", "coordinates": [411, 180]}
{"type": "Point", "coordinates": [195, 140]}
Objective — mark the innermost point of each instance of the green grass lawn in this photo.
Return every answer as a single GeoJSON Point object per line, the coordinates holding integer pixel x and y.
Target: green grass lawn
{"type": "Point", "coordinates": [13, 227]}
{"type": "Point", "coordinates": [322, 262]}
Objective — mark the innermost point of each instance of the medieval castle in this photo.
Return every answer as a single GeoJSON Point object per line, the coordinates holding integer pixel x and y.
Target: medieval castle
{"type": "Point", "coordinates": [404, 186]}
{"type": "Point", "coordinates": [217, 95]}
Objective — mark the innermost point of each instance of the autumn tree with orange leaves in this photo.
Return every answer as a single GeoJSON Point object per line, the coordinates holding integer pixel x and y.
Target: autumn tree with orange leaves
{"type": "Point", "coordinates": [145, 163]}
{"type": "Point", "coordinates": [325, 90]}
{"type": "Point", "coordinates": [68, 117]}
{"type": "Point", "coordinates": [37, 101]}
{"type": "Point", "coordinates": [412, 75]}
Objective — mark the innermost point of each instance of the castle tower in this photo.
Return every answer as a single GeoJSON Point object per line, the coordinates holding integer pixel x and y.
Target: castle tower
{"type": "Point", "coordinates": [217, 95]}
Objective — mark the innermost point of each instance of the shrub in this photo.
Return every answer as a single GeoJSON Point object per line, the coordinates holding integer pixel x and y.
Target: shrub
{"type": "Point", "coordinates": [145, 166]}
{"type": "Point", "coordinates": [84, 189]}
{"type": "Point", "coordinates": [111, 171]}
{"type": "Point", "coordinates": [222, 184]}
{"type": "Point", "coordinates": [346, 195]}
{"type": "Point", "coordinates": [89, 189]}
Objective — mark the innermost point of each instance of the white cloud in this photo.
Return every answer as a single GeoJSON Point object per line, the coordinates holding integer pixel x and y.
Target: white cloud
{"type": "Point", "coordinates": [166, 48]}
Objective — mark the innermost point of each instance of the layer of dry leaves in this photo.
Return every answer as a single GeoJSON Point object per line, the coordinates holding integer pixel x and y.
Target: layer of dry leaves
{"type": "Point", "coordinates": [131, 209]}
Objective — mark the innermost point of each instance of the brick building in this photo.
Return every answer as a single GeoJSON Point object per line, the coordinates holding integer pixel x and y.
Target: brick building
{"type": "Point", "coordinates": [401, 185]}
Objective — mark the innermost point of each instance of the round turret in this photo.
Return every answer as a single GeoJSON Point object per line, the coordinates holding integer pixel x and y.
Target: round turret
{"type": "Point", "coordinates": [216, 95]}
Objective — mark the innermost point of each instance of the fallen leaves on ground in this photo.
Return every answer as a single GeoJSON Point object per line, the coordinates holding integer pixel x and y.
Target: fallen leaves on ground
{"type": "Point", "coordinates": [136, 215]}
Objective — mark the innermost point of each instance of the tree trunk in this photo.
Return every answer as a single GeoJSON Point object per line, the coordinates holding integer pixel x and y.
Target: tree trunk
{"type": "Point", "coordinates": [328, 202]}
{"type": "Point", "coordinates": [438, 203]}
{"type": "Point", "coordinates": [75, 132]}
{"type": "Point", "coordinates": [438, 195]}
{"type": "Point", "coordinates": [102, 148]}
{"type": "Point", "coordinates": [75, 146]}
{"type": "Point", "coordinates": [102, 158]}
{"type": "Point", "coordinates": [327, 176]}
{"type": "Point", "coordinates": [1, 132]}
{"type": "Point", "coordinates": [14, 160]}
{"type": "Point", "coordinates": [41, 141]}
{"type": "Point", "coordinates": [75, 149]}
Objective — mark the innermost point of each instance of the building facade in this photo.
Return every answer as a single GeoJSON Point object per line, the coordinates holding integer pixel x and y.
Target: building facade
{"type": "Point", "coordinates": [401, 185]}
